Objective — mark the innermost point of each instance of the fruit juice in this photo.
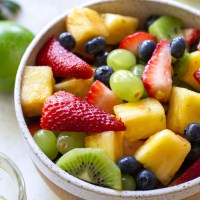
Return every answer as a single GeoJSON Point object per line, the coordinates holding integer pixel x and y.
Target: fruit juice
{"type": "Point", "coordinates": [111, 99]}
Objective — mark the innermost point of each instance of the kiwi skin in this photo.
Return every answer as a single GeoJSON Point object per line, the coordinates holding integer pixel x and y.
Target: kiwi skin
{"type": "Point", "coordinates": [92, 165]}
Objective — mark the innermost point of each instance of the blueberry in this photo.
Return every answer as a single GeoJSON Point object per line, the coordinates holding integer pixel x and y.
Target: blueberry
{"type": "Point", "coordinates": [95, 46]}
{"type": "Point", "coordinates": [192, 133]}
{"type": "Point", "coordinates": [67, 41]}
{"type": "Point", "coordinates": [146, 49]}
{"type": "Point", "coordinates": [128, 165]}
{"type": "Point", "coordinates": [103, 74]}
{"type": "Point", "coordinates": [100, 58]}
{"type": "Point", "coordinates": [193, 154]}
{"type": "Point", "coordinates": [150, 20]}
{"type": "Point", "coordinates": [146, 180]}
{"type": "Point", "coordinates": [178, 46]}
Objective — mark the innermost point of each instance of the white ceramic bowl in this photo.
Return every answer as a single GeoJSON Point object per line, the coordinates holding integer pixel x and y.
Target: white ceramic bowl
{"type": "Point", "coordinates": [141, 9]}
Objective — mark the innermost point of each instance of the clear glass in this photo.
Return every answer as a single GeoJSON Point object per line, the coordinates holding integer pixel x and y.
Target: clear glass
{"type": "Point", "coordinates": [12, 185]}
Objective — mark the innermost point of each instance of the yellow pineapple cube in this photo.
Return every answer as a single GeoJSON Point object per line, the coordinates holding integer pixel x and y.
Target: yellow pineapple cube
{"type": "Point", "coordinates": [184, 108]}
{"type": "Point", "coordinates": [187, 66]}
{"type": "Point", "coordinates": [141, 118]}
{"type": "Point", "coordinates": [37, 86]}
{"type": "Point", "coordinates": [79, 87]}
{"type": "Point", "coordinates": [112, 142]}
{"type": "Point", "coordinates": [119, 26]}
{"type": "Point", "coordinates": [85, 24]}
{"type": "Point", "coordinates": [163, 154]}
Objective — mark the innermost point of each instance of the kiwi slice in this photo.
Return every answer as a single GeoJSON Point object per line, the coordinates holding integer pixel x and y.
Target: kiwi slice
{"type": "Point", "coordinates": [166, 27]}
{"type": "Point", "coordinates": [92, 165]}
{"type": "Point", "coordinates": [181, 66]}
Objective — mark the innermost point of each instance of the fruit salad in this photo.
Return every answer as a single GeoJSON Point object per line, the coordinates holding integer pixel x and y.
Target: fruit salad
{"type": "Point", "coordinates": [116, 105]}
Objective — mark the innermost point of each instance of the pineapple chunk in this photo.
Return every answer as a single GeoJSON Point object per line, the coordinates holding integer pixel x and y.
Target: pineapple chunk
{"type": "Point", "coordinates": [112, 142]}
{"type": "Point", "coordinates": [142, 118]}
{"type": "Point", "coordinates": [186, 67]}
{"type": "Point", "coordinates": [119, 27]}
{"type": "Point", "coordinates": [85, 24]}
{"type": "Point", "coordinates": [79, 87]}
{"type": "Point", "coordinates": [184, 108]}
{"type": "Point", "coordinates": [194, 65]}
{"type": "Point", "coordinates": [163, 154]}
{"type": "Point", "coordinates": [37, 86]}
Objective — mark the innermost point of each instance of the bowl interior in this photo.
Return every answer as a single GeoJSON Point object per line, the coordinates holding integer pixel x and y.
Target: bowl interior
{"type": "Point", "coordinates": [140, 9]}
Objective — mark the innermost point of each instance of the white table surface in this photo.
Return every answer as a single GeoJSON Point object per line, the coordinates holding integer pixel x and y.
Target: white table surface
{"type": "Point", "coordinates": [34, 15]}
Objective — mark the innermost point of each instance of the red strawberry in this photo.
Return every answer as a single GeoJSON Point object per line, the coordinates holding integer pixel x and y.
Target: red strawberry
{"type": "Point", "coordinates": [191, 35]}
{"type": "Point", "coordinates": [64, 63]}
{"type": "Point", "coordinates": [157, 76]}
{"type": "Point", "coordinates": [34, 126]}
{"type": "Point", "coordinates": [64, 111]}
{"type": "Point", "coordinates": [132, 42]}
{"type": "Point", "coordinates": [191, 173]}
{"type": "Point", "coordinates": [102, 97]}
{"type": "Point", "coordinates": [197, 75]}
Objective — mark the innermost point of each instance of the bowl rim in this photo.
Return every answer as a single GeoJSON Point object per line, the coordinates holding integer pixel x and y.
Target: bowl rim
{"type": "Point", "coordinates": [43, 158]}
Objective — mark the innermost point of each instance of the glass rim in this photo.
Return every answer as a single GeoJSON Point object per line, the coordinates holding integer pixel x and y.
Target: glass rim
{"type": "Point", "coordinates": [10, 167]}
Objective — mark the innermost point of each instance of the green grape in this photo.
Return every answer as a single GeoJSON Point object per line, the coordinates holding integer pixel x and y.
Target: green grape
{"type": "Point", "coordinates": [120, 59]}
{"type": "Point", "coordinates": [126, 85]}
{"type": "Point", "coordinates": [46, 140]}
{"type": "Point", "coordinates": [137, 70]}
{"type": "Point", "coordinates": [67, 141]}
{"type": "Point", "coordinates": [128, 182]}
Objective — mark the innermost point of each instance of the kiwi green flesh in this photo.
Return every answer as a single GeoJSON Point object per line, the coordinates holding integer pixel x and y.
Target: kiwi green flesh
{"type": "Point", "coordinates": [182, 65]}
{"type": "Point", "coordinates": [92, 165]}
{"type": "Point", "coordinates": [166, 27]}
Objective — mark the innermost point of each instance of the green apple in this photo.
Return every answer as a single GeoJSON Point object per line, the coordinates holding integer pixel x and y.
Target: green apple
{"type": "Point", "coordinates": [14, 39]}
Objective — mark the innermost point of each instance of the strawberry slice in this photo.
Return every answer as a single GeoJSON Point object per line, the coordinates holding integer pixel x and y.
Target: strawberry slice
{"type": "Point", "coordinates": [132, 42]}
{"type": "Point", "coordinates": [191, 35]}
{"type": "Point", "coordinates": [191, 173]}
{"type": "Point", "coordinates": [157, 76]}
{"type": "Point", "coordinates": [64, 63]}
{"type": "Point", "coordinates": [102, 97]}
{"type": "Point", "coordinates": [197, 76]}
{"type": "Point", "coordinates": [64, 111]}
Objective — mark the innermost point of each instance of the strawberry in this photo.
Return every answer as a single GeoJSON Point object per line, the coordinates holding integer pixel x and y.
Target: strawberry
{"type": "Point", "coordinates": [197, 75]}
{"type": "Point", "coordinates": [64, 111]}
{"type": "Point", "coordinates": [157, 76]}
{"type": "Point", "coordinates": [191, 35]}
{"type": "Point", "coordinates": [34, 126]}
{"type": "Point", "coordinates": [102, 97]}
{"type": "Point", "coordinates": [191, 173]}
{"type": "Point", "coordinates": [132, 42]}
{"type": "Point", "coordinates": [64, 63]}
